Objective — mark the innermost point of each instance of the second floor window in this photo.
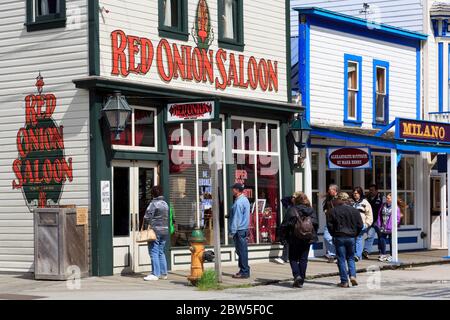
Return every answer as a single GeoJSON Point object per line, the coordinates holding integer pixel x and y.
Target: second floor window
{"type": "Point", "coordinates": [45, 14]}
{"type": "Point", "coordinates": [380, 93]}
{"type": "Point", "coordinates": [231, 21]}
{"type": "Point", "coordinates": [352, 90]}
{"type": "Point", "coordinates": [173, 19]}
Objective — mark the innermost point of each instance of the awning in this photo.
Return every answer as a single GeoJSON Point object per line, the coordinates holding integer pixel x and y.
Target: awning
{"type": "Point", "coordinates": [369, 137]}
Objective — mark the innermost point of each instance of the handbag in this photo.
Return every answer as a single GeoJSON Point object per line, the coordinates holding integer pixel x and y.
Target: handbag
{"type": "Point", "coordinates": [147, 235]}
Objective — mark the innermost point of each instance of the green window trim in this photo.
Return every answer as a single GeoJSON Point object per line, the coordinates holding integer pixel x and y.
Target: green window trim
{"type": "Point", "coordinates": [50, 21]}
{"type": "Point", "coordinates": [181, 31]}
{"type": "Point", "coordinates": [237, 43]}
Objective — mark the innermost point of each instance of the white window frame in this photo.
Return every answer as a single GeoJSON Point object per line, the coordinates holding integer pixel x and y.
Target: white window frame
{"type": "Point", "coordinates": [381, 119]}
{"type": "Point", "coordinates": [133, 137]}
{"type": "Point", "coordinates": [255, 153]}
{"type": "Point", "coordinates": [357, 90]}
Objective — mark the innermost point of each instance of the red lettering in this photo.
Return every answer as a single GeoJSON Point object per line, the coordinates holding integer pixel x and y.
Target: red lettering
{"type": "Point", "coordinates": [188, 52]}
{"type": "Point", "coordinates": [133, 49]}
{"type": "Point", "coordinates": [118, 53]}
{"type": "Point", "coordinates": [197, 65]}
{"type": "Point", "coordinates": [208, 66]}
{"type": "Point", "coordinates": [263, 74]}
{"type": "Point", "coordinates": [37, 179]}
{"type": "Point", "coordinates": [30, 111]}
{"type": "Point", "coordinates": [232, 72]}
{"type": "Point", "coordinates": [220, 57]}
{"type": "Point", "coordinates": [164, 44]}
{"type": "Point", "coordinates": [179, 63]}
{"type": "Point", "coordinates": [273, 76]}
{"type": "Point", "coordinates": [147, 52]}
{"type": "Point", "coordinates": [253, 73]}
{"type": "Point", "coordinates": [242, 84]}
{"type": "Point", "coordinates": [50, 105]}
{"type": "Point", "coordinates": [17, 168]}
{"type": "Point", "coordinates": [22, 140]}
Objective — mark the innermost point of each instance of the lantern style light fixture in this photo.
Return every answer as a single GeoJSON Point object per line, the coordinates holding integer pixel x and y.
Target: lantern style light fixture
{"type": "Point", "coordinates": [117, 110]}
{"type": "Point", "coordinates": [300, 131]}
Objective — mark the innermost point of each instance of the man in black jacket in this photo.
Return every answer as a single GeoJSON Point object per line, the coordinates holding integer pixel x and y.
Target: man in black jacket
{"type": "Point", "coordinates": [344, 224]}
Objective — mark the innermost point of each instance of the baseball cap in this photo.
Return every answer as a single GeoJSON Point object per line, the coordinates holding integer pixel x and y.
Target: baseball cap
{"type": "Point", "coordinates": [238, 186]}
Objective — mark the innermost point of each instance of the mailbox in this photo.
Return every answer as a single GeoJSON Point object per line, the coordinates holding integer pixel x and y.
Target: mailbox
{"type": "Point", "coordinates": [60, 244]}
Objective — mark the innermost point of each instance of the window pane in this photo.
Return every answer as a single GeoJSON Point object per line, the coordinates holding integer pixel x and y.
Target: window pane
{"type": "Point", "coordinates": [237, 134]}
{"type": "Point", "coordinates": [315, 170]}
{"type": "Point", "coordinates": [352, 104]}
{"type": "Point", "coordinates": [173, 134]}
{"type": "Point", "coordinates": [346, 180]}
{"type": "Point", "coordinates": [379, 172]}
{"type": "Point", "coordinates": [144, 128]}
{"type": "Point", "coordinates": [409, 163]}
{"type": "Point", "coordinates": [273, 137]}
{"type": "Point", "coordinates": [205, 183]}
{"type": "Point", "coordinates": [171, 13]}
{"type": "Point", "coordinates": [368, 177]}
{"type": "Point", "coordinates": [46, 7]}
{"type": "Point", "coordinates": [407, 208]}
{"type": "Point", "coordinates": [188, 134]}
{"type": "Point", "coordinates": [401, 175]}
{"type": "Point", "coordinates": [243, 171]}
{"type": "Point", "coordinates": [261, 136]}
{"type": "Point", "coordinates": [380, 107]}
{"type": "Point", "coordinates": [125, 137]}
{"type": "Point", "coordinates": [121, 202]}
{"type": "Point", "coordinates": [228, 19]}
{"type": "Point", "coordinates": [352, 75]}
{"type": "Point", "coordinates": [183, 197]}
{"type": "Point", "coordinates": [268, 198]}
{"type": "Point", "coordinates": [381, 80]}
{"type": "Point", "coordinates": [249, 135]}
{"type": "Point", "coordinates": [388, 172]}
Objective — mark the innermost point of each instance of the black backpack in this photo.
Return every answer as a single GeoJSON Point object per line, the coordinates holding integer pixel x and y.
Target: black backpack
{"type": "Point", "coordinates": [303, 227]}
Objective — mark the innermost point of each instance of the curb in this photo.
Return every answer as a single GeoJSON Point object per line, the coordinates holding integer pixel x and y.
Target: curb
{"type": "Point", "coordinates": [382, 268]}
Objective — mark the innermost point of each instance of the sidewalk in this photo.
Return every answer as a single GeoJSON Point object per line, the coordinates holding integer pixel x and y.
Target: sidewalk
{"type": "Point", "coordinates": [24, 287]}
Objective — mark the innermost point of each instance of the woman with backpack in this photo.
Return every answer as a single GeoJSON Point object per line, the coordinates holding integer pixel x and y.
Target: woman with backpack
{"type": "Point", "coordinates": [299, 228]}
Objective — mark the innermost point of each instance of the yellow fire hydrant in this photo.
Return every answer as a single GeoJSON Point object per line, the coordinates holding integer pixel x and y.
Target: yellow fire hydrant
{"type": "Point", "coordinates": [197, 249]}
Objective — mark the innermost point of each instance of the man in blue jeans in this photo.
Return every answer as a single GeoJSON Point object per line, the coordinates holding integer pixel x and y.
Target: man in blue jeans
{"type": "Point", "coordinates": [344, 223]}
{"type": "Point", "coordinates": [332, 193]}
{"type": "Point", "coordinates": [238, 225]}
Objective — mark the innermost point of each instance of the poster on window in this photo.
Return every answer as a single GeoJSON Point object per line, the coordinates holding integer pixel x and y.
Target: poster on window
{"type": "Point", "coordinates": [349, 158]}
{"type": "Point", "coordinates": [192, 111]}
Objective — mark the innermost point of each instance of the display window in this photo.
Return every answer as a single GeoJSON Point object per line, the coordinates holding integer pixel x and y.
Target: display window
{"type": "Point", "coordinates": [256, 165]}
{"type": "Point", "coordinates": [191, 181]}
{"type": "Point", "coordinates": [140, 133]}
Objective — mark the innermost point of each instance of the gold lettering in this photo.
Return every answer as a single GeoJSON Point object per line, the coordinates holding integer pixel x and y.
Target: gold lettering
{"type": "Point", "coordinates": [427, 132]}
{"type": "Point", "coordinates": [407, 129]}
{"type": "Point", "coordinates": [441, 133]}
{"type": "Point", "coordinates": [435, 131]}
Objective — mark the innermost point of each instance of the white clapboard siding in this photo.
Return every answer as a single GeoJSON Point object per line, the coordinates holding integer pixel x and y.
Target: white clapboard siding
{"type": "Point", "coordinates": [61, 55]}
{"type": "Point", "coordinates": [327, 81]}
{"type": "Point", "coordinates": [407, 14]}
{"type": "Point", "coordinates": [264, 37]}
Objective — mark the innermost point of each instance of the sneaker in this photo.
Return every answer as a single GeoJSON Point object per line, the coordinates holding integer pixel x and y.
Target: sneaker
{"type": "Point", "coordinates": [353, 281]}
{"type": "Point", "coordinates": [343, 285]}
{"type": "Point", "coordinates": [356, 259]}
{"type": "Point", "coordinates": [389, 259]}
{"type": "Point", "coordinates": [298, 282]}
{"type": "Point", "coordinates": [241, 276]}
{"type": "Point", "coordinates": [382, 258]}
{"type": "Point", "coordinates": [279, 261]}
{"type": "Point", "coordinates": [164, 277]}
{"type": "Point", "coordinates": [151, 277]}
{"type": "Point", "coordinates": [365, 255]}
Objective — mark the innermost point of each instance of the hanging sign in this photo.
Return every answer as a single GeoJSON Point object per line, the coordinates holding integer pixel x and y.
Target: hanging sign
{"type": "Point", "coordinates": [349, 158]}
{"type": "Point", "coordinates": [424, 131]}
{"type": "Point", "coordinates": [192, 111]}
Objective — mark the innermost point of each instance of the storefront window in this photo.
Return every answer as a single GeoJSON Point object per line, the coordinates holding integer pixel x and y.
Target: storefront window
{"type": "Point", "coordinates": [191, 181]}
{"type": "Point", "coordinates": [381, 175]}
{"type": "Point", "coordinates": [262, 190]}
{"type": "Point", "coordinates": [140, 131]}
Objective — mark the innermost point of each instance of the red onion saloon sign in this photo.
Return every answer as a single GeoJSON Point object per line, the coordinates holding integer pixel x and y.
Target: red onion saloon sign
{"type": "Point", "coordinates": [41, 168]}
{"type": "Point", "coordinates": [140, 56]}
{"type": "Point", "coordinates": [349, 158]}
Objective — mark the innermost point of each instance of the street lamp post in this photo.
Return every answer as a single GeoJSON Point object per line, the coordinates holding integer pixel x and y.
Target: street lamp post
{"type": "Point", "coordinates": [300, 130]}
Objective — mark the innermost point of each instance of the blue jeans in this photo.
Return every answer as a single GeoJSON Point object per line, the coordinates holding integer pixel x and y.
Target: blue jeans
{"type": "Point", "coordinates": [373, 230]}
{"type": "Point", "coordinates": [359, 243]}
{"type": "Point", "coordinates": [345, 250]}
{"type": "Point", "coordinates": [156, 249]}
{"type": "Point", "coordinates": [298, 258]}
{"type": "Point", "coordinates": [383, 240]}
{"type": "Point", "coordinates": [241, 245]}
{"type": "Point", "coordinates": [329, 245]}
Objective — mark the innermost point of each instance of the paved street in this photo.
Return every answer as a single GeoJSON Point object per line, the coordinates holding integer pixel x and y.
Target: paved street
{"type": "Point", "coordinates": [428, 282]}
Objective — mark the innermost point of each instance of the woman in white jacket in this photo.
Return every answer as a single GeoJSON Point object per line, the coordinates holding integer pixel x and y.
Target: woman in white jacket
{"type": "Point", "coordinates": [365, 209]}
